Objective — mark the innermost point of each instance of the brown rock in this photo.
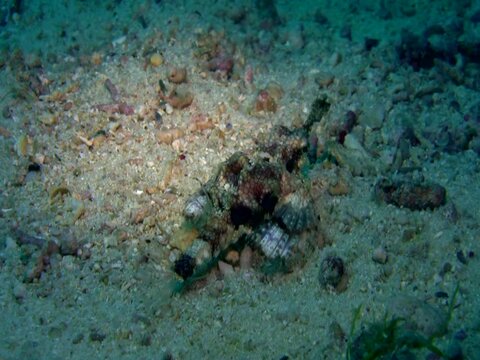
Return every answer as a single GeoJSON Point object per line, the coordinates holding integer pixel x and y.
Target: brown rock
{"type": "Point", "coordinates": [140, 215]}
{"type": "Point", "coordinates": [177, 75]}
{"type": "Point", "coordinates": [246, 258]}
{"type": "Point", "coordinates": [233, 257]}
{"type": "Point", "coordinates": [168, 136]}
{"type": "Point", "coordinates": [179, 100]}
{"type": "Point", "coordinates": [339, 189]}
{"type": "Point", "coordinates": [411, 195]}
{"type": "Point", "coordinates": [225, 269]}
{"type": "Point", "coordinates": [265, 102]}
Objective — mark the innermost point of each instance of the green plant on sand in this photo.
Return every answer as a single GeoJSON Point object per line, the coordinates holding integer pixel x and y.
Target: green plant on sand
{"type": "Point", "coordinates": [391, 338]}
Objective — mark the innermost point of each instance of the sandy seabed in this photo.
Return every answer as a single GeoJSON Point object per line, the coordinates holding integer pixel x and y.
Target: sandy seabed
{"type": "Point", "coordinates": [98, 160]}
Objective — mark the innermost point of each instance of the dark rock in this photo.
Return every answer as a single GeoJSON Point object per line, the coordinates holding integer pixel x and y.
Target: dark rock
{"type": "Point", "coordinates": [34, 167]}
{"type": "Point", "coordinates": [345, 126]}
{"type": "Point", "coordinates": [470, 50]}
{"type": "Point", "coordinates": [26, 239]}
{"type": "Point", "coordinates": [320, 18]}
{"type": "Point", "coordinates": [434, 30]}
{"type": "Point", "coordinates": [461, 257]}
{"type": "Point", "coordinates": [168, 356]}
{"type": "Point", "coordinates": [441, 295]}
{"type": "Point", "coordinates": [97, 335]}
{"type": "Point", "coordinates": [267, 11]}
{"type": "Point", "coordinates": [184, 266]}
{"type": "Point", "coordinates": [420, 51]}
{"type": "Point", "coordinates": [475, 145]}
{"type": "Point", "coordinates": [410, 195]}
{"type": "Point", "coordinates": [415, 51]}
{"type": "Point", "coordinates": [77, 339]}
{"type": "Point", "coordinates": [409, 135]}
{"type": "Point", "coordinates": [447, 267]}
{"type": "Point", "coordinates": [332, 271]}
{"type": "Point", "coordinates": [318, 110]}
{"type": "Point", "coordinates": [69, 245]}
{"type": "Point", "coordinates": [146, 340]}
{"type": "Point", "coordinates": [7, 112]}
{"type": "Point", "coordinates": [454, 351]}
{"type": "Point", "coordinates": [370, 43]}
{"type": "Point", "coordinates": [452, 138]}
{"type": "Point", "coordinates": [455, 105]}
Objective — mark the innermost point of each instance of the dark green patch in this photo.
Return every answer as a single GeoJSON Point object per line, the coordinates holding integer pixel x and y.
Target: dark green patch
{"type": "Point", "coordinates": [274, 266]}
{"type": "Point", "coordinates": [392, 339]}
{"type": "Point", "coordinates": [318, 110]}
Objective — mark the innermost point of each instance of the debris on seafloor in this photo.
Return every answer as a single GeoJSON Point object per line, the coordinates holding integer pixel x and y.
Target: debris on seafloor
{"type": "Point", "coordinates": [118, 106]}
{"type": "Point", "coordinates": [410, 324]}
{"type": "Point", "coordinates": [115, 108]}
{"type": "Point", "coordinates": [177, 75]}
{"type": "Point", "coordinates": [410, 194]}
{"type": "Point", "coordinates": [263, 202]}
{"type": "Point", "coordinates": [236, 208]}
{"type": "Point", "coordinates": [113, 90]}
{"type": "Point", "coordinates": [333, 274]}
{"type": "Point", "coordinates": [178, 98]}
{"type": "Point", "coordinates": [38, 250]}
{"type": "Point", "coordinates": [260, 202]}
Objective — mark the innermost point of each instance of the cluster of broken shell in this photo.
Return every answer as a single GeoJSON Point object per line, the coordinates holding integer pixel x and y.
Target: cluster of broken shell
{"type": "Point", "coordinates": [258, 199]}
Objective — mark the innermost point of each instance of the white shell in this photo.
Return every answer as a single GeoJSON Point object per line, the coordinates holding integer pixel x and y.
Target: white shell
{"type": "Point", "coordinates": [274, 242]}
{"type": "Point", "coordinates": [196, 206]}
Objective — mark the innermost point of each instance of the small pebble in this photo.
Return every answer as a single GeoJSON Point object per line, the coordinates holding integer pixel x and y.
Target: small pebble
{"type": "Point", "coordinates": [225, 269]}
{"type": "Point", "coordinates": [339, 189]}
{"type": "Point", "coordinates": [146, 340]}
{"type": "Point", "coordinates": [77, 339]}
{"type": "Point", "coordinates": [447, 267]}
{"type": "Point", "coordinates": [380, 255]}
{"type": "Point", "coordinates": [177, 75]}
{"type": "Point", "coordinates": [168, 109]}
{"type": "Point", "coordinates": [158, 118]}
{"type": "Point", "coordinates": [335, 59]}
{"type": "Point", "coordinates": [246, 258]}
{"type": "Point", "coordinates": [332, 271]}
{"type": "Point", "coordinates": [34, 167]}
{"type": "Point", "coordinates": [156, 60]}
{"type": "Point", "coordinates": [324, 79]}
{"type": "Point", "coordinates": [337, 333]}
{"type": "Point", "coordinates": [441, 295]}
{"type": "Point", "coordinates": [168, 356]}
{"type": "Point", "coordinates": [461, 257]}
{"type": "Point", "coordinates": [68, 106]}
{"type": "Point", "coordinates": [370, 43]}
{"type": "Point", "coordinates": [19, 291]}
{"type": "Point", "coordinates": [450, 212]}
{"type": "Point", "coordinates": [233, 257]}
{"type": "Point", "coordinates": [97, 335]}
